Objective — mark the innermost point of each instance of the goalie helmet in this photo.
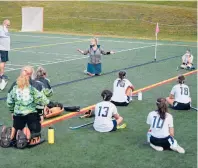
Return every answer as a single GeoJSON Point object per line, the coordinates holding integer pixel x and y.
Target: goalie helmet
{"type": "Point", "coordinates": [106, 95]}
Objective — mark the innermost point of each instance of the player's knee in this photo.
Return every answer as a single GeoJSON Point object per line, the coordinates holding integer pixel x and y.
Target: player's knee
{"type": "Point", "coordinates": [183, 66]}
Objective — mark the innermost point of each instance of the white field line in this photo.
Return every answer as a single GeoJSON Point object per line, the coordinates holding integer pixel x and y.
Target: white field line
{"type": "Point", "coordinates": [47, 45]}
{"type": "Point", "coordinates": [14, 65]}
{"type": "Point", "coordinates": [115, 41]}
{"type": "Point", "coordinates": [46, 53]}
{"type": "Point", "coordinates": [57, 37]}
{"type": "Point", "coordinates": [68, 60]}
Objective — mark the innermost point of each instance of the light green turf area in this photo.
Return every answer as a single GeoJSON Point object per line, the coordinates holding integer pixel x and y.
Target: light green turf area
{"type": "Point", "coordinates": [85, 147]}
{"type": "Point", "coordinates": [177, 20]}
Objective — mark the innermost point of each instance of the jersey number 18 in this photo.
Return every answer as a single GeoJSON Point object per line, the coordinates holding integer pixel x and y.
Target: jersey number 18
{"type": "Point", "coordinates": [184, 90]}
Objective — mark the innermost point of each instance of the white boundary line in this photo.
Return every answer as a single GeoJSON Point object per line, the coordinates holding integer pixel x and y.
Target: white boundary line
{"type": "Point", "coordinates": [45, 53]}
{"type": "Point", "coordinates": [68, 60]}
{"type": "Point", "coordinates": [115, 41]}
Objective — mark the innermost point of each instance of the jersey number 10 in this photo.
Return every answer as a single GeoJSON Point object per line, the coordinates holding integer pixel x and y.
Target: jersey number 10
{"type": "Point", "coordinates": [159, 123]}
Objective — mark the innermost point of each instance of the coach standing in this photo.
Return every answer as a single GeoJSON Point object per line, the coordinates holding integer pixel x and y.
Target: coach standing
{"type": "Point", "coordinates": [4, 46]}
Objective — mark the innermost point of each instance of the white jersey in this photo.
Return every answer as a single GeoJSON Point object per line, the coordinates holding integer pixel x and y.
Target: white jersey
{"type": "Point", "coordinates": [4, 39]}
{"type": "Point", "coordinates": [186, 59]}
{"type": "Point", "coordinates": [119, 90]}
{"type": "Point", "coordinates": [181, 93]}
{"type": "Point", "coordinates": [104, 111]}
{"type": "Point", "coordinates": [159, 128]}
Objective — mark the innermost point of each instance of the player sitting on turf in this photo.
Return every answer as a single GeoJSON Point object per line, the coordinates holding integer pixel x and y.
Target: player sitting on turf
{"type": "Point", "coordinates": [187, 61]}
{"type": "Point", "coordinates": [161, 130]}
{"type": "Point", "coordinates": [104, 112]}
{"type": "Point", "coordinates": [54, 108]}
{"type": "Point", "coordinates": [22, 100]}
{"type": "Point", "coordinates": [179, 98]}
{"type": "Point", "coordinates": [122, 90]}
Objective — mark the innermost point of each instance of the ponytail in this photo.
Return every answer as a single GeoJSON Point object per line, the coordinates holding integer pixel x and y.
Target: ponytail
{"type": "Point", "coordinates": [162, 107]}
{"type": "Point", "coordinates": [22, 82]}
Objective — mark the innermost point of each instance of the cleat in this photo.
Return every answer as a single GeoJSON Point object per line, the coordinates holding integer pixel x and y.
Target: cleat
{"type": "Point", "coordinates": [121, 126]}
{"type": "Point", "coordinates": [178, 149]}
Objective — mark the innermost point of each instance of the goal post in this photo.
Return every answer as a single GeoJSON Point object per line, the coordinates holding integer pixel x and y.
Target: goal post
{"type": "Point", "coordinates": [32, 19]}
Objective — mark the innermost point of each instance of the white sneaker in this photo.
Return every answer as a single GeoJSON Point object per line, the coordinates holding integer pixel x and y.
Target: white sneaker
{"type": "Point", "coordinates": [157, 148]}
{"type": "Point", "coordinates": [178, 149]}
{"type": "Point", "coordinates": [3, 84]}
{"type": "Point", "coordinates": [85, 71]}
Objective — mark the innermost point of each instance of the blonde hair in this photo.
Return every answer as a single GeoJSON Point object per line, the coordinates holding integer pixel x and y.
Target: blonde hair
{"type": "Point", "coordinates": [40, 72]}
{"type": "Point", "coordinates": [28, 71]}
{"type": "Point", "coordinates": [96, 40]}
{"type": "Point", "coordinates": [23, 82]}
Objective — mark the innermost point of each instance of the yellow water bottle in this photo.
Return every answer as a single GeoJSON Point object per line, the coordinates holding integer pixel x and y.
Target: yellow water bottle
{"type": "Point", "coordinates": [50, 135]}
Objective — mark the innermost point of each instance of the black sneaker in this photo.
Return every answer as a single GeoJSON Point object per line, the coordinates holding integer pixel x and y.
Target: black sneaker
{"type": "Point", "coordinates": [4, 77]}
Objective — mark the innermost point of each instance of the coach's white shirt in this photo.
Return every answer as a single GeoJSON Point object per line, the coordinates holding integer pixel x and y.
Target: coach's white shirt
{"type": "Point", "coordinates": [4, 39]}
{"type": "Point", "coordinates": [159, 128]}
{"type": "Point", "coordinates": [119, 90]}
{"type": "Point", "coordinates": [181, 93]}
{"type": "Point", "coordinates": [104, 112]}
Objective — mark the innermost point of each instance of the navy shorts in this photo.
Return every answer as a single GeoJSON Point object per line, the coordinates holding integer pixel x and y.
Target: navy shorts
{"type": "Point", "coordinates": [181, 106]}
{"type": "Point", "coordinates": [3, 56]}
{"type": "Point", "coordinates": [114, 125]}
{"type": "Point", "coordinates": [121, 103]}
{"type": "Point", "coordinates": [163, 142]}
{"type": "Point", "coordinates": [94, 68]}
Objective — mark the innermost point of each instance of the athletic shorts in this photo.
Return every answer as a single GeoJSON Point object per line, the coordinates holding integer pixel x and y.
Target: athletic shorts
{"type": "Point", "coordinates": [94, 68]}
{"type": "Point", "coordinates": [163, 142]}
{"type": "Point", "coordinates": [121, 103]}
{"type": "Point", "coordinates": [32, 120]}
{"type": "Point", "coordinates": [114, 125]}
{"type": "Point", "coordinates": [181, 106]}
{"type": "Point", "coordinates": [3, 56]}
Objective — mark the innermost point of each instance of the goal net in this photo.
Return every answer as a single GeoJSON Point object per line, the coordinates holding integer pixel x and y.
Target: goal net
{"type": "Point", "coordinates": [32, 19]}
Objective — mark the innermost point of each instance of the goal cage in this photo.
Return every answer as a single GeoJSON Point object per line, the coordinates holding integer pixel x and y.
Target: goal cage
{"type": "Point", "coordinates": [32, 19]}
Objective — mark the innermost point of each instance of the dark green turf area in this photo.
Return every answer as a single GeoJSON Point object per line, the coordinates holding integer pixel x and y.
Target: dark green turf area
{"type": "Point", "coordinates": [85, 147]}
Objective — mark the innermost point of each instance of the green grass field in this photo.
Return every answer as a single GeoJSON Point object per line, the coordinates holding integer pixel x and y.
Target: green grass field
{"type": "Point", "coordinates": [85, 147]}
{"type": "Point", "coordinates": [177, 20]}
{"type": "Point", "coordinates": [136, 22]}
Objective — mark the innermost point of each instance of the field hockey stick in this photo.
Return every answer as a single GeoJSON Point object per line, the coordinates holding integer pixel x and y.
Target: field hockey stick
{"type": "Point", "coordinates": [80, 126]}
{"type": "Point", "coordinates": [194, 108]}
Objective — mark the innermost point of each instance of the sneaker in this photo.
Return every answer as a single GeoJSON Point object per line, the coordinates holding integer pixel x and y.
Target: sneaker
{"type": "Point", "coordinates": [85, 72]}
{"type": "Point", "coordinates": [3, 84]}
{"type": "Point", "coordinates": [4, 77]}
{"type": "Point", "coordinates": [157, 148]}
{"type": "Point", "coordinates": [178, 149]}
{"type": "Point", "coordinates": [121, 126]}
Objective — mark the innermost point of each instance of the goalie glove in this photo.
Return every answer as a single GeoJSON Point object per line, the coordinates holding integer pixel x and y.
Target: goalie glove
{"type": "Point", "coordinates": [88, 114]}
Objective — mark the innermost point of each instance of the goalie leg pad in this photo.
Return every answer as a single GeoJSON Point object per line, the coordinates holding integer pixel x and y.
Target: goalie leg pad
{"type": "Point", "coordinates": [21, 140]}
{"type": "Point", "coordinates": [72, 108]}
{"type": "Point", "coordinates": [55, 111]}
{"type": "Point", "coordinates": [6, 136]}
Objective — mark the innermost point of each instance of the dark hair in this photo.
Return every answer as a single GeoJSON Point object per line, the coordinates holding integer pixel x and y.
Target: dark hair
{"type": "Point", "coordinates": [106, 95]}
{"type": "Point", "coordinates": [181, 79]}
{"type": "Point", "coordinates": [162, 107]}
{"type": "Point", "coordinates": [40, 72]}
{"type": "Point", "coordinates": [122, 74]}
